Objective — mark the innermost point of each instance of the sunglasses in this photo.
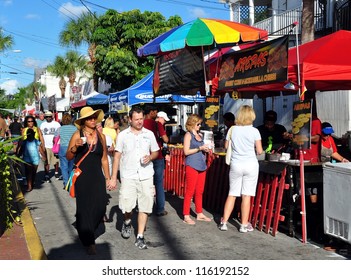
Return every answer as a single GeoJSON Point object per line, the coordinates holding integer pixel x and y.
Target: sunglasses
{"type": "Point", "coordinates": [198, 124]}
{"type": "Point", "coordinates": [91, 118]}
{"type": "Point", "coordinates": [29, 121]}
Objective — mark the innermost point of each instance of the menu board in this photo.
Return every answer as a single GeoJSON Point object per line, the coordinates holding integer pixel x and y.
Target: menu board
{"type": "Point", "coordinates": [301, 125]}
{"type": "Point", "coordinates": [211, 113]}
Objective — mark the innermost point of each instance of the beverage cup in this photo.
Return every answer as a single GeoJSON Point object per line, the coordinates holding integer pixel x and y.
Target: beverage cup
{"type": "Point", "coordinates": [84, 139]}
{"type": "Point", "coordinates": [142, 159]}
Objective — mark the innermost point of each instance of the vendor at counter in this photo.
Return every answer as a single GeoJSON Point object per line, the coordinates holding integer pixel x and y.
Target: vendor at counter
{"type": "Point", "coordinates": [329, 150]}
{"type": "Point", "coordinates": [273, 135]}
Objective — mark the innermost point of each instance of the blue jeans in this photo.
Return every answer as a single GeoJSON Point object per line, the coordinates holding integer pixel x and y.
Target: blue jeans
{"type": "Point", "coordinates": [66, 165]}
{"type": "Point", "coordinates": [159, 166]}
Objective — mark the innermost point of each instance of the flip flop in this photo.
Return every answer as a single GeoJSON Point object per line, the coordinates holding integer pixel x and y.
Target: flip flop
{"type": "Point", "coordinates": [204, 219]}
{"type": "Point", "coordinates": [189, 222]}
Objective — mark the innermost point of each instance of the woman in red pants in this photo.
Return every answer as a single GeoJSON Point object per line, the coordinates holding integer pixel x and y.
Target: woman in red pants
{"type": "Point", "coordinates": [195, 169]}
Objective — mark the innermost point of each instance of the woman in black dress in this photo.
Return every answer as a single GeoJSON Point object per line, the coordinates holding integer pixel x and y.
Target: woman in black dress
{"type": "Point", "coordinates": [90, 187]}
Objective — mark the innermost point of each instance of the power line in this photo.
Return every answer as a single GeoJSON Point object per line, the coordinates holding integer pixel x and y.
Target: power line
{"type": "Point", "coordinates": [18, 70]}
{"type": "Point", "coordinates": [190, 5]}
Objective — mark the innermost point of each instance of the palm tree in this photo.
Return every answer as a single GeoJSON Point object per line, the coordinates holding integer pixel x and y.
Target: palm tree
{"type": "Point", "coordinates": [6, 42]}
{"type": "Point", "coordinates": [68, 66]}
{"type": "Point", "coordinates": [79, 31]}
{"type": "Point", "coordinates": [307, 30]}
{"type": "Point", "coordinates": [59, 70]}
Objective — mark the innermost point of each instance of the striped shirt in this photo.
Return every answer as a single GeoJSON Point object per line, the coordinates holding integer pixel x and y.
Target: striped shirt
{"type": "Point", "coordinates": [66, 132]}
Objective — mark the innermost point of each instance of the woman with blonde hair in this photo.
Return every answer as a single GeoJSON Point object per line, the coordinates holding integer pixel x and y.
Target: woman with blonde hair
{"type": "Point", "coordinates": [109, 129]}
{"type": "Point", "coordinates": [246, 144]}
{"type": "Point", "coordinates": [195, 168]}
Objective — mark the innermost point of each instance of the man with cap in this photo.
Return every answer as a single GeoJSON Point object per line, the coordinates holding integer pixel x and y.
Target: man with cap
{"type": "Point", "coordinates": [159, 163]}
{"type": "Point", "coordinates": [328, 149]}
{"type": "Point", "coordinates": [48, 129]}
{"type": "Point", "coordinates": [273, 135]}
{"type": "Point", "coordinates": [157, 127]}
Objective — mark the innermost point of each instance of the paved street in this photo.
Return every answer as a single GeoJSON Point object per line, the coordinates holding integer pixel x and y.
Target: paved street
{"type": "Point", "coordinates": [53, 211]}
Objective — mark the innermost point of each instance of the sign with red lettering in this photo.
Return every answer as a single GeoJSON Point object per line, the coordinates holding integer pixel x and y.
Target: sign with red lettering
{"type": "Point", "coordinates": [301, 125]}
{"type": "Point", "coordinates": [261, 64]}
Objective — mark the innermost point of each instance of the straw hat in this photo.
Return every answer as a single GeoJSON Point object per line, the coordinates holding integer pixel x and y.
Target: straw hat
{"type": "Point", "coordinates": [87, 112]}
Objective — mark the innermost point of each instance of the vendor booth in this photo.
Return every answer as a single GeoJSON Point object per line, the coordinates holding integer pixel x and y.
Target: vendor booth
{"type": "Point", "coordinates": [142, 92]}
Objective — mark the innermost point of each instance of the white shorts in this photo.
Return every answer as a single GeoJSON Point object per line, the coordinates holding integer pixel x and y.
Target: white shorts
{"type": "Point", "coordinates": [134, 191]}
{"type": "Point", "coordinates": [243, 178]}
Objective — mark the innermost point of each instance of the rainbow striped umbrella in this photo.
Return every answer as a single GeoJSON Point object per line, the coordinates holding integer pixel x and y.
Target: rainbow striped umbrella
{"type": "Point", "coordinates": [202, 32]}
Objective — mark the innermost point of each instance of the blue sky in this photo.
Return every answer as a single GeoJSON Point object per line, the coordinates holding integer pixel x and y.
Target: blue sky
{"type": "Point", "coordinates": [36, 24]}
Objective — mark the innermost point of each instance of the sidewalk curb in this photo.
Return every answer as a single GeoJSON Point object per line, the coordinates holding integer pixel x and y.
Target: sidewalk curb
{"type": "Point", "coordinates": [34, 245]}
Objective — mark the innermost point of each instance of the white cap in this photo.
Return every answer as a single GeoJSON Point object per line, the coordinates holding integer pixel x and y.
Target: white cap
{"type": "Point", "coordinates": [162, 114]}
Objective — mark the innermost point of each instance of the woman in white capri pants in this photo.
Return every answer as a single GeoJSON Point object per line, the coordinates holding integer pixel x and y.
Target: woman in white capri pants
{"type": "Point", "coordinates": [243, 175]}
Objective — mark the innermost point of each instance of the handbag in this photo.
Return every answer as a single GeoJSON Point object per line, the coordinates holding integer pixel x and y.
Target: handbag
{"type": "Point", "coordinates": [75, 173]}
{"type": "Point", "coordinates": [56, 146]}
{"type": "Point", "coordinates": [229, 149]}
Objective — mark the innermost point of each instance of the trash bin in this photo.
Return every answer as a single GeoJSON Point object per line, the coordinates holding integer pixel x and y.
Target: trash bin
{"type": "Point", "coordinates": [337, 200]}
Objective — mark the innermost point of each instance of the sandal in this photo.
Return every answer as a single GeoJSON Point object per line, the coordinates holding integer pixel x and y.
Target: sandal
{"type": "Point", "coordinates": [204, 219]}
{"type": "Point", "coordinates": [189, 221]}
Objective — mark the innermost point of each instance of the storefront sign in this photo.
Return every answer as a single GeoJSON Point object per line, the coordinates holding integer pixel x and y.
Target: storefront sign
{"type": "Point", "coordinates": [301, 125]}
{"type": "Point", "coordinates": [211, 113]}
{"type": "Point", "coordinates": [261, 64]}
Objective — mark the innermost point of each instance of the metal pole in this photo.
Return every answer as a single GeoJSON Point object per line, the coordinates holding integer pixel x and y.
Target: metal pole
{"type": "Point", "coordinates": [302, 168]}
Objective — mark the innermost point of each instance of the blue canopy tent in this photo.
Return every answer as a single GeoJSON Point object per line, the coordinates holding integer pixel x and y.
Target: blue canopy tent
{"type": "Point", "coordinates": [96, 99]}
{"type": "Point", "coordinates": [141, 92]}
{"type": "Point", "coordinates": [99, 99]}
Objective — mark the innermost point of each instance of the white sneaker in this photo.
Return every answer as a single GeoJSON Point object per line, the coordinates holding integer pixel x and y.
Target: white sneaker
{"type": "Point", "coordinates": [246, 228]}
{"type": "Point", "coordinates": [223, 226]}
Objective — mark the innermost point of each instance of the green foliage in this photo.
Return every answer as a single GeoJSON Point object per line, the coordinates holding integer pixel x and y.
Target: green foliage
{"type": "Point", "coordinates": [118, 36]}
{"type": "Point", "coordinates": [6, 193]}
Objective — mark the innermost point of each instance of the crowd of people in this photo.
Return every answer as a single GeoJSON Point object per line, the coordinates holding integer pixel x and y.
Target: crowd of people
{"type": "Point", "coordinates": [132, 154]}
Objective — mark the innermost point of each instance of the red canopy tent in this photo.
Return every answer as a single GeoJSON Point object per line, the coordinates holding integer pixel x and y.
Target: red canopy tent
{"type": "Point", "coordinates": [325, 64]}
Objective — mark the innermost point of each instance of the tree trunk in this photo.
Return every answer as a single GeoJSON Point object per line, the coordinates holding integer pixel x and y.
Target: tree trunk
{"type": "Point", "coordinates": [307, 26]}
{"type": "Point", "coordinates": [62, 85]}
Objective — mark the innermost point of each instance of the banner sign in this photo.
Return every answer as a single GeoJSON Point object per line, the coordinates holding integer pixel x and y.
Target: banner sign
{"type": "Point", "coordinates": [261, 64]}
{"type": "Point", "coordinates": [301, 125]}
{"type": "Point", "coordinates": [121, 100]}
{"type": "Point", "coordinates": [180, 71]}
{"type": "Point", "coordinates": [211, 113]}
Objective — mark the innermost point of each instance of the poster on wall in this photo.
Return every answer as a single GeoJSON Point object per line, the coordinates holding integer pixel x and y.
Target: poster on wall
{"type": "Point", "coordinates": [52, 103]}
{"type": "Point", "coordinates": [180, 72]}
{"type": "Point", "coordinates": [261, 64]}
{"type": "Point", "coordinates": [211, 113]}
{"type": "Point", "coordinates": [301, 125]}
{"type": "Point", "coordinates": [75, 94]}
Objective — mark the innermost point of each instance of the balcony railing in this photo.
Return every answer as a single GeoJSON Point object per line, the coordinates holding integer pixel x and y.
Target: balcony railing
{"type": "Point", "coordinates": [278, 24]}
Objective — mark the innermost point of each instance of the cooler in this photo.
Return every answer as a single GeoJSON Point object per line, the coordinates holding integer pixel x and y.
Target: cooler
{"type": "Point", "coordinates": [337, 200]}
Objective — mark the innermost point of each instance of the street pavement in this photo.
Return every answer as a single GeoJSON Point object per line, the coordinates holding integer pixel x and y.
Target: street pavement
{"type": "Point", "coordinates": [168, 238]}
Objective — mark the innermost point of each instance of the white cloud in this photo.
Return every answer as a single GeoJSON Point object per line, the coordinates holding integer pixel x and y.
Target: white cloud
{"type": "Point", "coordinates": [199, 13]}
{"type": "Point", "coordinates": [68, 9]}
{"type": "Point", "coordinates": [6, 2]}
{"type": "Point", "coordinates": [35, 63]}
{"type": "Point", "coordinates": [32, 16]}
{"type": "Point", "coordinates": [10, 86]}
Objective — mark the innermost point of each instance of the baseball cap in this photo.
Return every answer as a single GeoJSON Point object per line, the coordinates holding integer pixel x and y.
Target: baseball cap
{"type": "Point", "coordinates": [48, 114]}
{"type": "Point", "coordinates": [162, 114]}
{"type": "Point", "coordinates": [327, 128]}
